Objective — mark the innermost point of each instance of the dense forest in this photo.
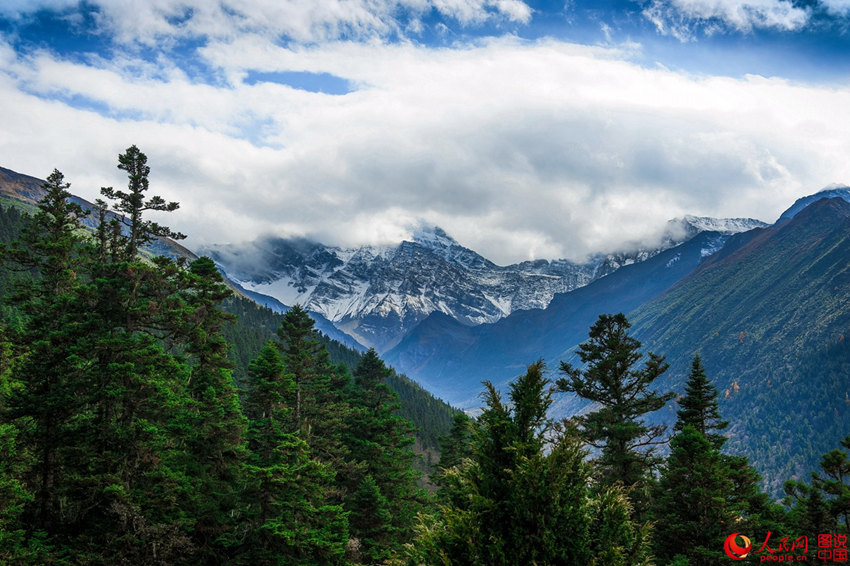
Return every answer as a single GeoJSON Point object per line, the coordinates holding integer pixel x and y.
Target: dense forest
{"type": "Point", "coordinates": [149, 416]}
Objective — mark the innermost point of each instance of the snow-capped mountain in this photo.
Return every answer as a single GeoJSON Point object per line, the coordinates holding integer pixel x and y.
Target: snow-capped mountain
{"type": "Point", "coordinates": [377, 294]}
{"type": "Point", "coordinates": [832, 191]}
{"type": "Point", "coordinates": [677, 231]}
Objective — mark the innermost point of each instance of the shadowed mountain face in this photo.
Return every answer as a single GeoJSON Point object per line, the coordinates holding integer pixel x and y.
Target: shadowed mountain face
{"type": "Point", "coordinates": [380, 294]}
{"type": "Point", "coordinates": [768, 315]}
{"type": "Point", "coordinates": [453, 360]}
{"type": "Point", "coordinates": [768, 312]}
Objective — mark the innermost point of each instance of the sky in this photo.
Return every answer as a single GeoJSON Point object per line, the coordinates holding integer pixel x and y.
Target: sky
{"type": "Point", "coordinates": [526, 129]}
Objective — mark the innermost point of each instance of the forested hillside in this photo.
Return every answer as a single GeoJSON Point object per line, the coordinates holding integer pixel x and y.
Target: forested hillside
{"type": "Point", "coordinates": [125, 437]}
{"type": "Point", "coordinates": [253, 326]}
{"type": "Point", "coordinates": [769, 314]}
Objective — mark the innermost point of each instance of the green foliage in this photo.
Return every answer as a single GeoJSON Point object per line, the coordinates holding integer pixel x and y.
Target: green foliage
{"type": "Point", "coordinates": [703, 495]}
{"type": "Point", "coordinates": [617, 540]}
{"type": "Point", "coordinates": [124, 440]}
{"type": "Point", "coordinates": [824, 505]}
{"type": "Point", "coordinates": [292, 520]}
{"type": "Point", "coordinates": [769, 315]}
{"type": "Point", "coordinates": [522, 496]}
{"type": "Point", "coordinates": [132, 203]}
{"type": "Point", "coordinates": [692, 501]}
{"type": "Point", "coordinates": [122, 384]}
{"type": "Point", "coordinates": [382, 478]}
{"type": "Point", "coordinates": [699, 407]}
{"type": "Point", "coordinates": [610, 379]}
{"type": "Point", "coordinates": [454, 447]}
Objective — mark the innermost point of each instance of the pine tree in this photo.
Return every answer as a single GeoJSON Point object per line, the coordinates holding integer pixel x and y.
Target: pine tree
{"type": "Point", "coordinates": [834, 483]}
{"type": "Point", "coordinates": [699, 406]}
{"type": "Point", "coordinates": [522, 497]}
{"type": "Point", "coordinates": [14, 461]}
{"type": "Point", "coordinates": [611, 380]}
{"type": "Point", "coordinates": [320, 414]}
{"type": "Point", "coordinates": [823, 506]}
{"type": "Point", "coordinates": [703, 495]}
{"type": "Point", "coordinates": [371, 523]}
{"type": "Point", "coordinates": [293, 521]}
{"type": "Point", "coordinates": [126, 477]}
{"type": "Point", "coordinates": [692, 501]}
{"type": "Point", "coordinates": [454, 448]}
{"type": "Point", "coordinates": [133, 204]}
{"type": "Point", "coordinates": [214, 425]}
{"type": "Point", "coordinates": [51, 247]}
{"type": "Point", "coordinates": [380, 445]}
{"type": "Point", "coordinates": [616, 539]}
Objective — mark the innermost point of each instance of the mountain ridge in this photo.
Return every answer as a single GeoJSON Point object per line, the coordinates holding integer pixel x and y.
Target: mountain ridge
{"type": "Point", "coordinates": [378, 294]}
{"type": "Point", "coordinates": [769, 318]}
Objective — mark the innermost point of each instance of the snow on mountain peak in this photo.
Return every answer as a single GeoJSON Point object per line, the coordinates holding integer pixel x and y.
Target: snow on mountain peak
{"type": "Point", "coordinates": [433, 237]}
{"type": "Point", "coordinates": [835, 190]}
{"type": "Point", "coordinates": [692, 225]}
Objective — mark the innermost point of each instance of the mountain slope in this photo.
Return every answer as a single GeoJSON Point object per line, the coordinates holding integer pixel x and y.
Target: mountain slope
{"type": "Point", "coordinates": [769, 316]}
{"type": "Point", "coordinates": [379, 293]}
{"type": "Point", "coordinates": [833, 191]}
{"type": "Point", "coordinates": [25, 191]}
{"type": "Point", "coordinates": [255, 325]}
{"type": "Point", "coordinates": [452, 360]}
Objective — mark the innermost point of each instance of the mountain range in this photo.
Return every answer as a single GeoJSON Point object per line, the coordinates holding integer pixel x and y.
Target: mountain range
{"type": "Point", "coordinates": [767, 307]}
{"type": "Point", "coordinates": [380, 294]}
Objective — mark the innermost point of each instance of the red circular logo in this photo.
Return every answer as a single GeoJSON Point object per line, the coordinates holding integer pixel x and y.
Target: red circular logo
{"type": "Point", "coordinates": [733, 550]}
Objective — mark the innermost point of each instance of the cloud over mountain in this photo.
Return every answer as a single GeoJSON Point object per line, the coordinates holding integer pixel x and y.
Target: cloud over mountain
{"type": "Point", "coordinates": [521, 148]}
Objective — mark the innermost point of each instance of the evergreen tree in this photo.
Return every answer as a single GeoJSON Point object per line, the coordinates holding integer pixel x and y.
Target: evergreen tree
{"type": "Point", "coordinates": [704, 495]}
{"type": "Point", "coordinates": [617, 540]}
{"type": "Point", "coordinates": [692, 502]}
{"type": "Point", "coordinates": [51, 249]}
{"type": "Point", "coordinates": [133, 204]}
{"type": "Point", "coordinates": [14, 461]}
{"type": "Point", "coordinates": [699, 407]}
{"type": "Point", "coordinates": [321, 414]}
{"type": "Point", "coordinates": [214, 426]}
{"type": "Point", "coordinates": [522, 497]}
{"type": "Point", "coordinates": [371, 523]}
{"type": "Point", "coordinates": [823, 506]}
{"type": "Point", "coordinates": [454, 448]}
{"type": "Point", "coordinates": [610, 379]}
{"type": "Point", "coordinates": [125, 470]}
{"type": "Point", "coordinates": [292, 520]}
{"type": "Point", "coordinates": [836, 469]}
{"type": "Point", "coordinates": [380, 445]}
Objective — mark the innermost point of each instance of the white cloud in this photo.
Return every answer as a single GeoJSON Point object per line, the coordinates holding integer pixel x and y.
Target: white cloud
{"type": "Point", "coordinates": [518, 149]}
{"type": "Point", "coordinates": [837, 7]}
{"type": "Point", "coordinates": [153, 22]}
{"type": "Point", "coordinates": [682, 17]}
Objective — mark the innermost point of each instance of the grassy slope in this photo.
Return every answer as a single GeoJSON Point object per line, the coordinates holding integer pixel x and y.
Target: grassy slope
{"type": "Point", "coordinates": [768, 317]}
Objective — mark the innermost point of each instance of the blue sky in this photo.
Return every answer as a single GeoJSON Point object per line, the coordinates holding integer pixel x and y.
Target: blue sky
{"type": "Point", "coordinates": [526, 129]}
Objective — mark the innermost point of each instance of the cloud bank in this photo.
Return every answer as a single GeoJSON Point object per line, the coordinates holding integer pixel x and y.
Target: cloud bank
{"type": "Point", "coordinates": [686, 19]}
{"type": "Point", "coordinates": [519, 149]}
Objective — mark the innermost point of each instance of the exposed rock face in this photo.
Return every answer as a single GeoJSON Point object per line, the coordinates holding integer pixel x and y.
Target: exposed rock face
{"type": "Point", "coordinates": [377, 294]}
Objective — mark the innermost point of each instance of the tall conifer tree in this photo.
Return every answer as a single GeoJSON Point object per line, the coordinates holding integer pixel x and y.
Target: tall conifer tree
{"type": "Point", "coordinates": [384, 498]}
{"type": "Point", "coordinates": [293, 521]}
{"type": "Point", "coordinates": [699, 406]}
{"type": "Point", "coordinates": [624, 394]}
{"type": "Point", "coordinates": [51, 247]}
